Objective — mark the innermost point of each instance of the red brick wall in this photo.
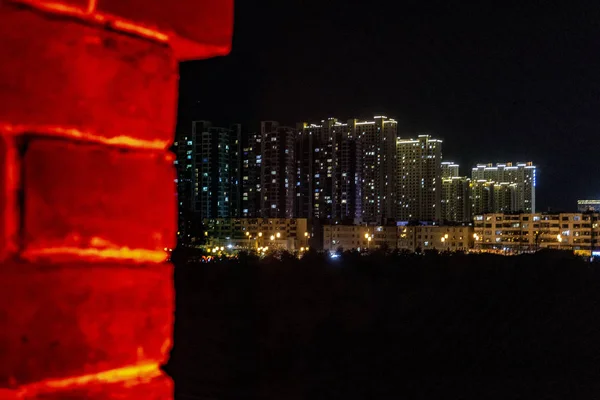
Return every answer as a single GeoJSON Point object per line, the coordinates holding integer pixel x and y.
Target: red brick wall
{"type": "Point", "coordinates": [87, 190]}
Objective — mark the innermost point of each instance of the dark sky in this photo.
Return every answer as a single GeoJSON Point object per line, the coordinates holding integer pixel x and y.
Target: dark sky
{"type": "Point", "coordinates": [518, 82]}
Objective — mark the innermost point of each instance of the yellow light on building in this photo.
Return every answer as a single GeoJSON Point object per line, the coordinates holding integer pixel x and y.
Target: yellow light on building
{"type": "Point", "coordinates": [278, 234]}
{"type": "Point", "coordinates": [259, 234]}
{"type": "Point", "coordinates": [272, 237]}
{"type": "Point", "coordinates": [366, 235]}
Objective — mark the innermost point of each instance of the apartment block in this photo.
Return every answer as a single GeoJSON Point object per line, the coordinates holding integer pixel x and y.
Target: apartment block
{"type": "Point", "coordinates": [358, 237]}
{"type": "Point", "coordinates": [435, 237]}
{"type": "Point", "coordinates": [515, 186]}
{"type": "Point", "coordinates": [419, 179]}
{"type": "Point", "coordinates": [277, 170]}
{"type": "Point", "coordinates": [251, 233]}
{"type": "Point", "coordinates": [515, 233]}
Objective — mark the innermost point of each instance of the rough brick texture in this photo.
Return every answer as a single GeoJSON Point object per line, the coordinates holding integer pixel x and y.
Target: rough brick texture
{"type": "Point", "coordinates": [203, 28]}
{"type": "Point", "coordinates": [88, 91]}
{"type": "Point", "coordinates": [95, 81]}
{"type": "Point", "coordinates": [75, 319]}
{"type": "Point", "coordinates": [8, 210]}
{"type": "Point", "coordinates": [159, 388]}
{"type": "Point", "coordinates": [80, 195]}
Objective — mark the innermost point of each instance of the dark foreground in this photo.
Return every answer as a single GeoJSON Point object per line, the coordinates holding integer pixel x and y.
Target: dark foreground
{"type": "Point", "coordinates": [383, 327]}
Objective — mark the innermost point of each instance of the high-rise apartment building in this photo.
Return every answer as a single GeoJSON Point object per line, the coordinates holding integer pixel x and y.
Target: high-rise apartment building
{"type": "Point", "coordinates": [328, 171]}
{"type": "Point", "coordinates": [378, 182]}
{"type": "Point", "coordinates": [515, 185]}
{"type": "Point", "coordinates": [455, 199]}
{"type": "Point", "coordinates": [250, 176]}
{"type": "Point", "coordinates": [277, 170]}
{"type": "Point", "coordinates": [419, 179]}
{"type": "Point", "coordinates": [482, 196]}
{"type": "Point", "coordinates": [208, 164]}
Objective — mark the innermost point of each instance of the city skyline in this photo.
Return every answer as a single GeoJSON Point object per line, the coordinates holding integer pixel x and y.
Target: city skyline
{"type": "Point", "coordinates": [524, 90]}
{"type": "Point", "coordinates": [352, 172]}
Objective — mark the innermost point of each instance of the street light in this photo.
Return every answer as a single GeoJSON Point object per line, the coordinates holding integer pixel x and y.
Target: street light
{"type": "Point", "coordinates": [272, 237]}
{"type": "Point", "coordinates": [278, 235]}
{"type": "Point", "coordinates": [259, 234]}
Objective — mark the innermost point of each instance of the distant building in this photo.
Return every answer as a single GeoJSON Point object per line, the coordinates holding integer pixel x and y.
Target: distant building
{"type": "Point", "coordinates": [408, 238]}
{"type": "Point", "coordinates": [515, 233]}
{"type": "Point", "coordinates": [513, 186]}
{"type": "Point", "coordinates": [251, 233]}
{"type": "Point", "coordinates": [482, 196]}
{"type": "Point", "coordinates": [359, 237]}
{"type": "Point", "coordinates": [378, 140]}
{"type": "Point", "coordinates": [588, 205]}
{"type": "Point", "coordinates": [328, 171]}
{"type": "Point", "coordinates": [435, 237]}
{"type": "Point", "coordinates": [419, 179]}
{"type": "Point", "coordinates": [455, 199]}
{"type": "Point", "coordinates": [251, 201]}
{"type": "Point", "coordinates": [208, 164]}
{"type": "Point", "coordinates": [277, 170]}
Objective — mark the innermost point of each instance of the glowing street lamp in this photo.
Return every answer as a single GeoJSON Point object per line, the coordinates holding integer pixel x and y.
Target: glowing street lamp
{"type": "Point", "coordinates": [278, 235]}
{"type": "Point", "coordinates": [272, 237]}
{"type": "Point", "coordinates": [259, 234]}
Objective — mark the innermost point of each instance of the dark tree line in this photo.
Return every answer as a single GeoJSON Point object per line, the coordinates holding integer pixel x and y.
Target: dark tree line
{"type": "Point", "coordinates": [388, 326]}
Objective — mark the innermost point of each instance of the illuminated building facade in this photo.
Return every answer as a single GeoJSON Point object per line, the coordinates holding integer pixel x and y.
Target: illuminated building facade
{"type": "Point", "coordinates": [209, 172]}
{"type": "Point", "coordinates": [482, 196]}
{"type": "Point", "coordinates": [419, 179]}
{"type": "Point", "coordinates": [328, 171]}
{"type": "Point", "coordinates": [516, 233]}
{"type": "Point", "coordinates": [435, 237]}
{"type": "Point", "coordinates": [277, 170]}
{"type": "Point", "coordinates": [455, 199]}
{"type": "Point", "coordinates": [516, 185]}
{"type": "Point", "coordinates": [355, 237]}
{"type": "Point", "coordinates": [588, 205]}
{"type": "Point", "coordinates": [250, 175]}
{"type": "Point", "coordinates": [378, 182]}
{"type": "Point", "coordinates": [252, 233]}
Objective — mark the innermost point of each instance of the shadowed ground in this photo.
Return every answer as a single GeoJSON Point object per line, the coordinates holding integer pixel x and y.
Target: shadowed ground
{"type": "Point", "coordinates": [378, 327]}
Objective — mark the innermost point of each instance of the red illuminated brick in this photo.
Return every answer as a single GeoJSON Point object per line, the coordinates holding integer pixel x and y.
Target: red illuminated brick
{"type": "Point", "coordinates": [92, 201]}
{"type": "Point", "coordinates": [158, 388]}
{"type": "Point", "coordinates": [80, 80]}
{"type": "Point", "coordinates": [202, 28]}
{"type": "Point", "coordinates": [8, 193]}
{"type": "Point", "coordinates": [72, 323]}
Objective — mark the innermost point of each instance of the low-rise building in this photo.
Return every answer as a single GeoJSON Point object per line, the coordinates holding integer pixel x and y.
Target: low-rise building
{"type": "Point", "coordinates": [588, 205]}
{"type": "Point", "coordinates": [358, 237]}
{"type": "Point", "coordinates": [517, 233]}
{"type": "Point", "coordinates": [435, 237]}
{"type": "Point", "coordinates": [408, 238]}
{"type": "Point", "coordinates": [289, 234]}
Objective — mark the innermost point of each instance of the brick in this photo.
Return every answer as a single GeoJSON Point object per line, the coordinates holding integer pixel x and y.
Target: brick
{"type": "Point", "coordinates": [8, 193]}
{"type": "Point", "coordinates": [203, 28]}
{"type": "Point", "coordinates": [71, 320]}
{"type": "Point", "coordinates": [66, 78]}
{"type": "Point", "coordinates": [158, 388]}
{"type": "Point", "coordinates": [80, 197]}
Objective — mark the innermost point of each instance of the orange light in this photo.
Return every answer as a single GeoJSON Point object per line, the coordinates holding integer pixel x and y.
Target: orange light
{"type": "Point", "coordinates": [129, 375]}
{"type": "Point", "coordinates": [72, 133]}
{"type": "Point", "coordinates": [99, 249]}
{"type": "Point", "coordinates": [89, 14]}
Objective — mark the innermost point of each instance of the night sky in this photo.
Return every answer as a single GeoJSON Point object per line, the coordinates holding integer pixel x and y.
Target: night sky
{"type": "Point", "coordinates": [519, 83]}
